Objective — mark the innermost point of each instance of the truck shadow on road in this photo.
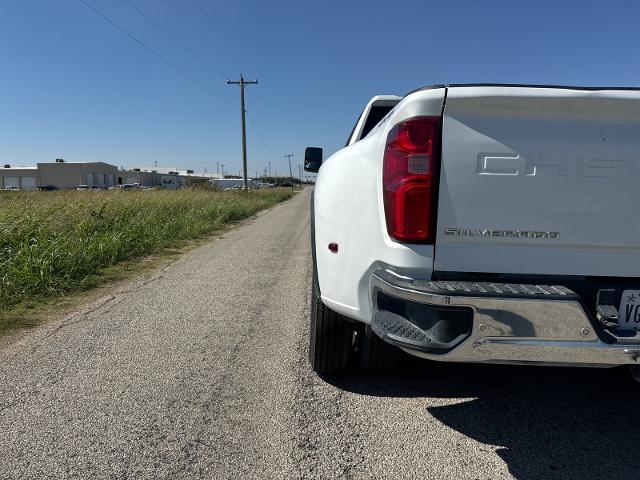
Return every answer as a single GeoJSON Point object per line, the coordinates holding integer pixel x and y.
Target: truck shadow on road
{"type": "Point", "coordinates": [547, 422]}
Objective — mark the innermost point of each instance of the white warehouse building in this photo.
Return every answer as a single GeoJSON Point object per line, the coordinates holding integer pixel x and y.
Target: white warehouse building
{"type": "Point", "coordinates": [70, 175]}
{"type": "Point", "coordinates": [19, 178]}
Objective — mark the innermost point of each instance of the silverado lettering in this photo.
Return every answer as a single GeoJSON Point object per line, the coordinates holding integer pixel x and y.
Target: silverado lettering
{"type": "Point", "coordinates": [489, 232]}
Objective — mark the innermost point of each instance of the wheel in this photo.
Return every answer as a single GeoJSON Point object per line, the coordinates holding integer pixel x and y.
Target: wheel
{"type": "Point", "coordinates": [377, 356]}
{"type": "Point", "coordinates": [331, 336]}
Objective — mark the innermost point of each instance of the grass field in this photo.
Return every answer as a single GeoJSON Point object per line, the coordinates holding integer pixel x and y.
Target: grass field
{"type": "Point", "coordinates": [52, 243]}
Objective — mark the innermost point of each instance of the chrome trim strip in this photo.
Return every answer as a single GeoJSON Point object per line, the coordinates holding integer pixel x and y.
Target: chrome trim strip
{"type": "Point", "coordinates": [519, 330]}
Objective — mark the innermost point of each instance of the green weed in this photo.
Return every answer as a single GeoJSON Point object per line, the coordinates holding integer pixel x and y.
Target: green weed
{"type": "Point", "coordinates": [57, 242]}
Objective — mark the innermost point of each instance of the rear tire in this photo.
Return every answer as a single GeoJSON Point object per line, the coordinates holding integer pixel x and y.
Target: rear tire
{"type": "Point", "coordinates": [331, 336]}
{"type": "Point", "coordinates": [377, 355]}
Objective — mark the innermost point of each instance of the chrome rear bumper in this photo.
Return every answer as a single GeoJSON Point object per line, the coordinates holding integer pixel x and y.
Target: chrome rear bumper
{"type": "Point", "coordinates": [508, 325]}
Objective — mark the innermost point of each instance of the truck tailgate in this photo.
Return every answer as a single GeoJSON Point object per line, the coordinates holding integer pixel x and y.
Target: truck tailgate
{"type": "Point", "coordinates": [540, 181]}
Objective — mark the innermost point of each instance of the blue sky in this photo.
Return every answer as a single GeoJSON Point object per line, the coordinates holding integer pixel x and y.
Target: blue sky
{"type": "Point", "coordinates": [74, 86]}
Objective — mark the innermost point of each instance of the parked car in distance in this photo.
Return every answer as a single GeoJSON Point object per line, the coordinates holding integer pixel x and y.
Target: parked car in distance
{"type": "Point", "coordinates": [47, 188]}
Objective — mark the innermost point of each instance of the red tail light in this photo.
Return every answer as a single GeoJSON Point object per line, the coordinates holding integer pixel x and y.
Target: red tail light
{"type": "Point", "coordinates": [410, 179]}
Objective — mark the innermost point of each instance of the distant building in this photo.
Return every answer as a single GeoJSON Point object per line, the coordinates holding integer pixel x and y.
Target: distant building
{"type": "Point", "coordinates": [68, 175]}
{"type": "Point", "coordinates": [165, 177]}
{"type": "Point", "coordinates": [177, 171]}
{"type": "Point", "coordinates": [232, 182]}
{"type": "Point", "coordinates": [19, 178]}
{"type": "Point", "coordinates": [63, 174]}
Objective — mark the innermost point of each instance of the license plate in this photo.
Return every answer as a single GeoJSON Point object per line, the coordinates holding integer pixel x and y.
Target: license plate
{"type": "Point", "coordinates": [629, 314]}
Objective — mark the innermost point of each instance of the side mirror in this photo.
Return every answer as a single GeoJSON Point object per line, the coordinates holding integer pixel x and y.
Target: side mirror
{"type": "Point", "coordinates": [312, 159]}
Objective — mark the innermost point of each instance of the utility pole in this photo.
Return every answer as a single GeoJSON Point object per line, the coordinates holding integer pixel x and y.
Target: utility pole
{"type": "Point", "coordinates": [242, 83]}
{"type": "Point", "coordinates": [290, 174]}
{"type": "Point", "coordinates": [269, 168]}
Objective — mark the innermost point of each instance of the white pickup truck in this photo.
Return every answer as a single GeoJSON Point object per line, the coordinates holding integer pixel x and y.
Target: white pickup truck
{"type": "Point", "coordinates": [480, 223]}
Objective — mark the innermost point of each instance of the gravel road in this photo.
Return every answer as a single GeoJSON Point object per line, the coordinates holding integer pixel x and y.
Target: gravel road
{"type": "Point", "coordinates": [201, 372]}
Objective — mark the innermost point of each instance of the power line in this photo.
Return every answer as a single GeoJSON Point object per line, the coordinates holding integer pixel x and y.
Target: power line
{"type": "Point", "coordinates": [217, 30]}
{"type": "Point", "coordinates": [255, 128]}
{"type": "Point", "coordinates": [176, 67]}
{"type": "Point", "coordinates": [268, 119]}
{"type": "Point", "coordinates": [200, 34]}
{"type": "Point", "coordinates": [262, 121]}
{"type": "Point", "coordinates": [172, 37]}
{"type": "Point", "coordinates": [156, 54]}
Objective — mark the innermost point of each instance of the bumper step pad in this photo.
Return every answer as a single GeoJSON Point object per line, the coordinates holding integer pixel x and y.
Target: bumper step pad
{"type": "Point", "coordinates": [400, 331]}
{"type": "Point", "coordinates": [486, 289]}
{"type": "Point", "coordinates": [483, 289]}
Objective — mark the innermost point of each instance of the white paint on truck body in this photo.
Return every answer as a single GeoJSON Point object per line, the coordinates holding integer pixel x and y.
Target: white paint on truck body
{"type": "Point", "coordinates": [550, 177]}
{"type": "Point", "coordinates": [564, 162]}
{"type": "Point", "coordinates": [349, 211]}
